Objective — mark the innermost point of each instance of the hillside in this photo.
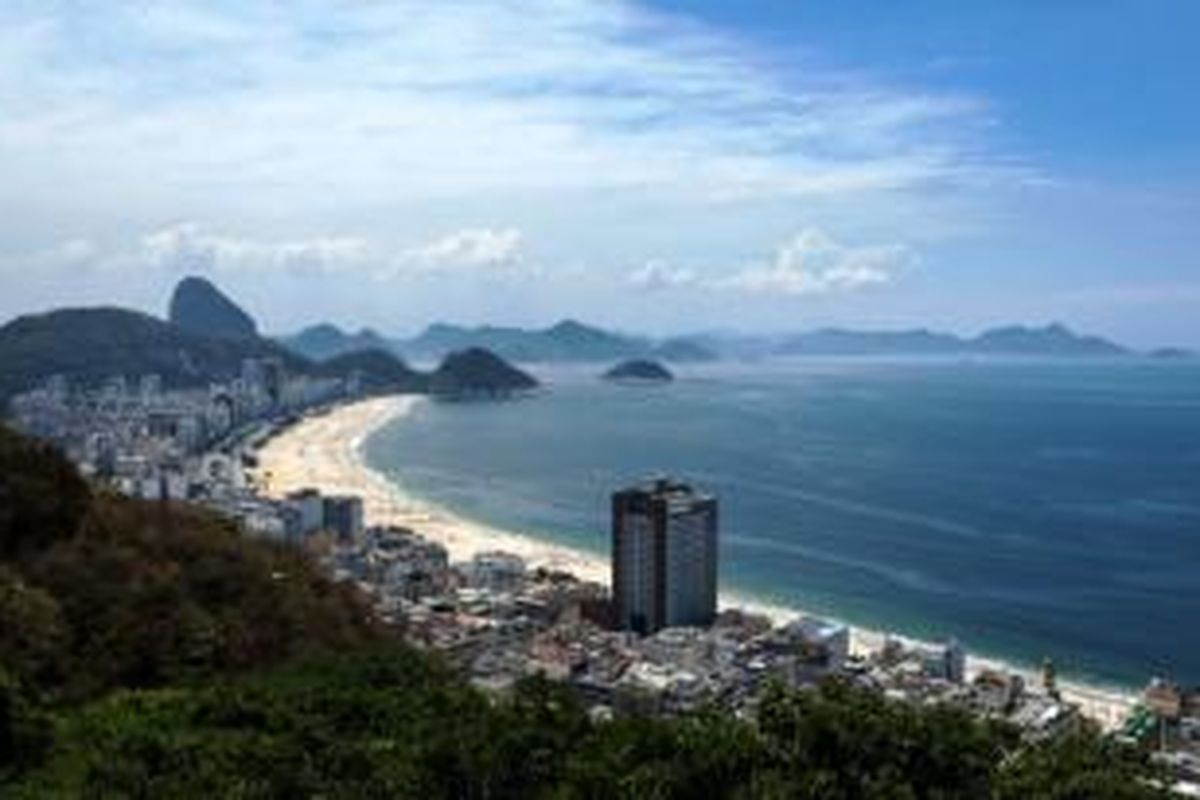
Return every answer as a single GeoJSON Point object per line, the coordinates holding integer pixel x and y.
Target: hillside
{"type": "Point", "coordinates": [201, 308]}
{"type": "Point", "coordinates": [476, 372]}
{"type": "Point", "coordinates": [92, 344]}
{"type": "Point", "coordinates": [98, 592]}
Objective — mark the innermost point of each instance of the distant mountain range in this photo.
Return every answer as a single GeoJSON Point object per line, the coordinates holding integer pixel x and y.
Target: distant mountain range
{"type": "Point", "coordinates": [207, 342]}
{"type": "Point", "coordinates": [208, 336]}
{"type": "Point", "coordinates": [571, 341]}
{"type": "Point", "coordinates": [1051, 340]}
{"type": "Point", "coordinates": [566, 341]}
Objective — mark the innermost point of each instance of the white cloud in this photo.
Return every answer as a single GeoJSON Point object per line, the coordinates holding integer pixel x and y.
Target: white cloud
{"type": "Point", "coordinates": [469, 248]}
{"type": "Point", "coordinates": [372, 101]}
{"type": "Point", "coordinates": [814, 263]}
{"type": "Point", "coordinates": [655, 274]}
{"type": "Point", "coordinates": [188, 247]}
{"type": "Point", "coordinates": [601, 129]}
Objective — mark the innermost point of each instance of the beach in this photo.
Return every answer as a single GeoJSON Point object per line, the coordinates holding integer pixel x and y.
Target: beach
{"type": "Point", "coordinates": [325, 452]}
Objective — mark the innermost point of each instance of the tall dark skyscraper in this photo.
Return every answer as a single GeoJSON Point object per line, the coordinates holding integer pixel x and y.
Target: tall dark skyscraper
{"type": "Point", "coordinates": [664, 557]}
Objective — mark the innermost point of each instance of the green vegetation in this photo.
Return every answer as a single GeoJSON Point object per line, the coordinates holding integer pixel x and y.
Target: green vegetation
{"type": "Point", "coordinates": [99, 593]}
{"type": "Point", "coordinates": [149, 651]}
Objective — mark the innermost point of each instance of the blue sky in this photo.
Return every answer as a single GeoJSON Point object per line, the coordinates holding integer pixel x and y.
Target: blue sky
{"type": "Point", "coordinates": [659, 166]}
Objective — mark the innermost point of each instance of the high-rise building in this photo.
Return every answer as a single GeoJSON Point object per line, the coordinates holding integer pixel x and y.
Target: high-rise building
{"type": "Point", "coordinates": [310, 507]}
{"type": "Point", "coordinates": [343, 516]}
{"type": "Point", "coordinates": [664, 557]}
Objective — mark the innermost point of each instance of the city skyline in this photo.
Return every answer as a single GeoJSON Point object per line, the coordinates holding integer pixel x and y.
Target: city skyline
{"type": "Point", "coordinates": [769, 169]}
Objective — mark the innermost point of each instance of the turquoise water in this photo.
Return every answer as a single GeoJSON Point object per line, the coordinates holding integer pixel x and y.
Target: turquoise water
{"type": "Point", "coordinates": [1030, 509]}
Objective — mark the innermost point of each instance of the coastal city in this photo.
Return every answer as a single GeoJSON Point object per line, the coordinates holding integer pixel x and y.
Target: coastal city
{"type": "Point", "coordinates": [589, 399]}
{"type": "Point", "coordinates": [650, 637]}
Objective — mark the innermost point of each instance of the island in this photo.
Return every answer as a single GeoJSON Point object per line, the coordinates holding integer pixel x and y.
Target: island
{"type": "Point", "coordinates": [478, 373]}
{"type": "Point", "coordinates": [639, 370]}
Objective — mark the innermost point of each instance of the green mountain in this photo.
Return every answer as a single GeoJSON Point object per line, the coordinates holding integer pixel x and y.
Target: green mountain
{"type": "Point", "coordinates": [91, 344]}
{"type": "Point", "coordinates": [201, 308]}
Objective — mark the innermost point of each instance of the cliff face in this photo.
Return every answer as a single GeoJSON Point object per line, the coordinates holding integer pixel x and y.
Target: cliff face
{"type": "Point", "coordinates": [200, 307]}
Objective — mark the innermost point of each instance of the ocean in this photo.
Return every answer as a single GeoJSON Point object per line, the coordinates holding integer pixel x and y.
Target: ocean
{"type": "Point", "coordinates": [1030, 509]}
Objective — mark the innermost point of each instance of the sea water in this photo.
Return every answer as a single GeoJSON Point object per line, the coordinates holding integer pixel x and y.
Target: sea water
{"type": "Point", "coordinates": [1031, 509]}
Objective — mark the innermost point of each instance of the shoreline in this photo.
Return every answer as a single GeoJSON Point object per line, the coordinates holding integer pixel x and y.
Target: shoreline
{"type": "Point", "coordinates": [325, 452]}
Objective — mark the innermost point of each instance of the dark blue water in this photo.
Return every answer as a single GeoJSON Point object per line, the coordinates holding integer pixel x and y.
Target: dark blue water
{"type": "Point", "coordinates": [1030, 509]}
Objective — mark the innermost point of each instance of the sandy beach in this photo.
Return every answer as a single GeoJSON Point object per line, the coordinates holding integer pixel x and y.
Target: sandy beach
{"type": "Point", "coordinates": [325, 452]}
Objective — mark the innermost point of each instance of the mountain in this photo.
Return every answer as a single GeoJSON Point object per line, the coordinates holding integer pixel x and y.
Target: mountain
{"type": "Point", "coordinates": [1056, 340]}
{"type": "Point", "coordinates": [200, 307]}
{"type": "Point", "coordinates": [571, 340]}
{"type": "Point", "coordinates": [568, 340]}
{"type": "Point", "coordinates": [89, 345]}
{"type": "Point", "coordinates": [1050, 340]}
{"type": "Point", "coordinates": [640, 370]}
{"type": "Point", "coordinates": [324, 341]}
{"type": "Point", "coordinates": [379, 371]}
{"type": "Point", "coordinates": [476, 372]}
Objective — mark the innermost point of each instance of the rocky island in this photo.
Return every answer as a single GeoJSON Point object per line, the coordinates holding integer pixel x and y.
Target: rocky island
{"type": "Point", "coordinates": [478, 373]}
{"type": "Point", "coordinates": [639, 370]}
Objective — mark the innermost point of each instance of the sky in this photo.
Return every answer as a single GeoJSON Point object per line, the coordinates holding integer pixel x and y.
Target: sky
{"type": "Point", "coordinates": [656, 166]}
